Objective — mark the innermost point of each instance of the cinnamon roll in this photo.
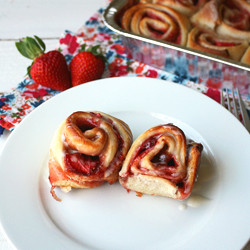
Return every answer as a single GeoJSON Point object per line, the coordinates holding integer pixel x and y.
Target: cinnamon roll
{"type": "Point", "coordinates": [87, 149]}
{"type": "Point", "coordinates": [207, 17]}
{"type": "Point", "coordinates": [163, 162]}
{"type": "Point", "coordinates": [212, 43]}
{"type": "Point", "coordinates": [229, 18]}
{"type": "Point", "coordinates": [186, 7]}
{"type": "Point", "coordinates": [235, 20]}
{"type": "Point", "coordinates": [158, 22]}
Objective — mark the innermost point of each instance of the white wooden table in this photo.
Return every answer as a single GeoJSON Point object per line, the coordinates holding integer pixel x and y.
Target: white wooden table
{"type": "Point", "coordinates": [46, 19]}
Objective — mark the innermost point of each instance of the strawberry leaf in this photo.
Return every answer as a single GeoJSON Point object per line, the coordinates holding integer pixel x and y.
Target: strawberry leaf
{"type": "Point", "coordinates": [94, 50]}
{"type": "Point", "coordinates": [30, 48]}
{"type": "Point", "coordinates": [33, 47]}
{"type": "Point", "coordinates": [41, 43]}
{"type": "Point", "coordinates": [28, 71]}
{"type": "Point", "coordinates": [22, 49]}
{"type": "Point", "coordinates": [82, 48]}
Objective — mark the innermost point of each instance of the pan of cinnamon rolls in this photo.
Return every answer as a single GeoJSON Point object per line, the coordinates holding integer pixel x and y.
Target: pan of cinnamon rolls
{"type": "Point", "coordinates": [215, 28]}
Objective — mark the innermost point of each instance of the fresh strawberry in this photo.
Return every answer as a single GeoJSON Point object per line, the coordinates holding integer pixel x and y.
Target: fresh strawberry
{"type": "Point", "coordinates": [48, 69]}
{"type": "Point", "coordinates": [87, 65]}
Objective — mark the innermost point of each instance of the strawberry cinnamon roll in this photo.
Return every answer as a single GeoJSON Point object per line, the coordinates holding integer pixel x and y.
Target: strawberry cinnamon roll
{"type": "Point", "coordinates": [162, 162]}
{"type": "Point", "coordinates": [158, 22]}
{"type": "Point", "coordinates": [207, 17]}
{"type": "Point", "coordinates": [186, 7]}
{"type": "Point", "coordinates": [229, 18]}
{"type": "Point", "coordinates": [87, 149]}
{"type": "Point", "coordinates": [235, 20]}
{"type": "Point", "coordinates": [212, 43]}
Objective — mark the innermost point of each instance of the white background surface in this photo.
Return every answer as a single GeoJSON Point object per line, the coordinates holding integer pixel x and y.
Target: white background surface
{"type": "Point", "coordinates": [44, 18]}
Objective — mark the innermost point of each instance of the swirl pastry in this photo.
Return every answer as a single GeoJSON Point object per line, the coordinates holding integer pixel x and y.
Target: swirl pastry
{"type": "Point", "coordinates": [88, 149]}
{"type": "Point", "coordinates": [229, 18]}
{"type": "Point", "coordinates": [212, 43]}
{"type": "Point", "coordinates": [158, 22]}
{"type": "Point", "coordinates": [186, 7]}
{"type": "Point", "coordinates": [161, 162]}
{"type": "Point", "coordinates": [207, 17]}
{"type": "Point", "coordinates": [235, 21]}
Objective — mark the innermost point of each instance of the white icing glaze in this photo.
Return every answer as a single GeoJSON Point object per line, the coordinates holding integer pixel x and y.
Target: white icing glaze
{"type": "Point", "coordinates": [65, 189]}
{"type": "Point", "coordinates": [196, 200]}
{"type": "Point", "coordinates": [73, 158]}
{"type": "Point", "coordinates": [64, 140]}
{"type": "Point", "coordinates": [62, 154]}
{"type": "Point", "coordinates": [71, 151]}
{"type": "Point", "coordinates": [183, 207]}
{"type": "Point", "coordinates": [108, 172]}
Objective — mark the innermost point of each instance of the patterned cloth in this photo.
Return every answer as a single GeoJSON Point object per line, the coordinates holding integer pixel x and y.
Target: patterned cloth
{"type": "Point", "coordinates": [16, 104]}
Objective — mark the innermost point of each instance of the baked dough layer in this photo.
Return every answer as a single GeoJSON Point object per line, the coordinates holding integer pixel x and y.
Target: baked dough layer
{"type": "Point", "coordinates": [161, 161]}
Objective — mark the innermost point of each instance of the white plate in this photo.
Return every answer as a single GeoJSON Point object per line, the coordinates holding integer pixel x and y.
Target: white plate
{"type": "Point", "coordinates": [108, 217]}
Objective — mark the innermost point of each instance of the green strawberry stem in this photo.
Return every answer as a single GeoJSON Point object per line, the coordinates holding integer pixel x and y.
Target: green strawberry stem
{"type": "Point", "coordinates": [94, 50]}
{"type": "Point", "coordinates": [31, 48]}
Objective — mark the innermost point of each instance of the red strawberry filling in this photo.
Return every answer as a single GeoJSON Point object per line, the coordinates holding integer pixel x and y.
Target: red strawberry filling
{"type": "Point", "coordinates": [224, 44]}
{"type": "Point", "coordinates": [82, 164]}
{"type": "Point", "coordinates": [88, 165]}
{"type": "Point", "coordinates": [219, 43]}
{"type": "Point", "coordinates": [163, 161]}
{"type": "Point", "coordinates": [159, 31]}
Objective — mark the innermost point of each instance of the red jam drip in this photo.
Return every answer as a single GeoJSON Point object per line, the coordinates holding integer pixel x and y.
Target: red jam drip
{"type": "Point", "coordinates": [82, 164]}
{"type": "Point", "coordinates": [223, 44]}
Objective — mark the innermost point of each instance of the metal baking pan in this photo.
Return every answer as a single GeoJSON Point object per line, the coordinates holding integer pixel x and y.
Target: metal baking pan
{"type": "Point", "coordinates": [175, 58]}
